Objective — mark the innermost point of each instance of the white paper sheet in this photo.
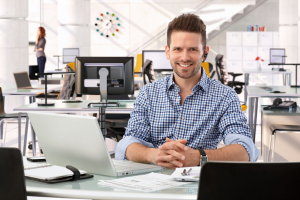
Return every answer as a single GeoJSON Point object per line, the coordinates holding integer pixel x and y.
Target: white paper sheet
{"type": "Point", "coordinates": [144, 183]}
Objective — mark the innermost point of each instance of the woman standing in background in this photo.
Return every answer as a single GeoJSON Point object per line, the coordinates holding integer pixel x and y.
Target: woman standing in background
{"type": "Point", "coordinates": [40, 48]}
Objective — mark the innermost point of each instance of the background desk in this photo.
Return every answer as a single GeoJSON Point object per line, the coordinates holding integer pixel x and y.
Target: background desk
{"type": "Point", "coordinates": [286, 77]}
{"type": "Point", "coordinates": [11, 89]}
{"type": "Point", "coordinates": [290, 142]}
{"type": "Point", "coordinates": [254, 92]}
{"type": "Point", "coordinates": [88, 189]}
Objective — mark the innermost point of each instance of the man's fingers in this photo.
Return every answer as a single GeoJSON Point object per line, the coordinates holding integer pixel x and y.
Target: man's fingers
{"type": "Point", "coordinates": [170, 159]}
{"type": "Point", "coordinates": [174, 164]}
{"type": "Point", "coordinates": [173, 146]}
{"type": "Point", "coordinates": [183, 141]}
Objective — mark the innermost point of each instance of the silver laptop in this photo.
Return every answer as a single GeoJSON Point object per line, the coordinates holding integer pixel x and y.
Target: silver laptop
{"type": "Point", "coordinates": [23, 82]}
{"type": "Point", "coordinates": [77, 141]}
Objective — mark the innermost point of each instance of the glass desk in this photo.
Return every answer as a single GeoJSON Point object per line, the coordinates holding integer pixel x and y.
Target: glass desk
{"type": "Point", "coordinates": [89, 189]}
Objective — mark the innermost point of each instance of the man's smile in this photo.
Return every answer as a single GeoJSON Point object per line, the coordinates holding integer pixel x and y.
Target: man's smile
{"type": "Point", "coordinates": [185, 65]}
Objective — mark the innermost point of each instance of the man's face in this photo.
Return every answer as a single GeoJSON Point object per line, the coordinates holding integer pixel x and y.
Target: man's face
{"type": "Point", "coordinates": [185, 53]}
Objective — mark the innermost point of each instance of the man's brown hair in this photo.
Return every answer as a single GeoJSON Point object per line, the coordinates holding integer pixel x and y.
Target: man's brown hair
{"type": "Point", "coordinates": [187, 23]}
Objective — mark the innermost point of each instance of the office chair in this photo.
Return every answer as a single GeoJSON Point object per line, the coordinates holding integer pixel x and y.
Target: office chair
{"type": "Point", "coordinates": [4, 116]}
{"type": "Point", "coordinates": [208, 69]}
{"type": "Point", "coordinates": [223, 75]}
{"type": "Point", "coordinates": [138, 64]}
{"type": "Point", "coordinates": [12, 181]}
{"type": "Point", "coordinates": [249, 180]}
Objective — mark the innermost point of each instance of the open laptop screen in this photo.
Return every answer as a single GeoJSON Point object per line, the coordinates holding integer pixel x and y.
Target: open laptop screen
{"type": "Point", "coordinates": [22, 79]}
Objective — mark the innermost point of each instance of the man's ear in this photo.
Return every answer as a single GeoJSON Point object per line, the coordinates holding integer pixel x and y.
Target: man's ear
{"type": "Point", "coordinates": [205, 53]}
{"type": "Point", "coordinates": [167, 51]}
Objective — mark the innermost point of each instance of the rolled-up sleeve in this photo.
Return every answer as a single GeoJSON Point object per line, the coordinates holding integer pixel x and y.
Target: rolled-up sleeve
{"type": "Point", "coordinates": [138, 128]}
{"type": "Point", "coordinates": [233, 125]}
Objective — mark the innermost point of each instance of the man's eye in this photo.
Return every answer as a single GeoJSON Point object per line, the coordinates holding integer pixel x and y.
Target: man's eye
{"type": "Point", "coordinates": [177, 49]}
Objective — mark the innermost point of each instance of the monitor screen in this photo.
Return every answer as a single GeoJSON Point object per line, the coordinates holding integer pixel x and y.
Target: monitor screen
{"type": "Point", "coordinates": [158, 58]}
{"type": "Point", "coordinates": [120, 79]}
{"type": "Point", "coordinates": [277, 56]}
{"type": "Point", "coordinates": [69, 55]}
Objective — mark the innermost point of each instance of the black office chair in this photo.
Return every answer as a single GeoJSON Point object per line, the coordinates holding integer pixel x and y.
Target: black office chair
{"type": "Point", "coordinates": [248, 180]}
{"type": "Point", "coordinates": [223, 75]}
{"type": "Point", "coordinates": [12, 181]}
{"type": "Point", "coordinates": [4, 115]}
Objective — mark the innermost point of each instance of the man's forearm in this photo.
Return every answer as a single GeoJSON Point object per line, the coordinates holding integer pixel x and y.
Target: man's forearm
{"type": "Point", "coordinates": [139, 153]}
{"type": "Point", "coordinates": [233, 152]}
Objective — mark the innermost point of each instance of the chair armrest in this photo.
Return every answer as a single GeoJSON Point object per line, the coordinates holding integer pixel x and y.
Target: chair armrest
{"type": "Point", "coordinates": [233, 74]}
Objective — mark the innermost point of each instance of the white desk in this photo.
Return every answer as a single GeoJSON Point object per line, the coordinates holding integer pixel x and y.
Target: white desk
{"type": "Point", "coordinates": [254, 92]}
{"type": "Point", "coordinates": [286, 77]}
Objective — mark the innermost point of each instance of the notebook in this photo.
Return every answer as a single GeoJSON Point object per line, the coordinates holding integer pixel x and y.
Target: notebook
{"type": "Point", "coordinates": [46, 171]}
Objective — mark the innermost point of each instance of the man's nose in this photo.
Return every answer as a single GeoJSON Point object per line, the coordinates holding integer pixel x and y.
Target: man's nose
{"type": "Point", "coordinates": [185, 56]}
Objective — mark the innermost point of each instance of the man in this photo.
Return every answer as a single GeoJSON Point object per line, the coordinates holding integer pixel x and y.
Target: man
{"type": "Point", "coordinates": [175, 117]}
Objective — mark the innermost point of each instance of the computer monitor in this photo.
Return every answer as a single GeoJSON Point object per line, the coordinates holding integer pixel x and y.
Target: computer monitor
{"type": "Point", "coordinates": [120, 78]}
{"type": "Point", "coordinates": [69, 55]}
{"type": "Point", "coordinates": [158, 58]}
{"type": "Point", "coordinates": [277, 56]}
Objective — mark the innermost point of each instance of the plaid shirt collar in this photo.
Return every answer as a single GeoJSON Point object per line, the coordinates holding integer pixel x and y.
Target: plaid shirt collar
{"type": "Point", "coordinates": [202, 84]}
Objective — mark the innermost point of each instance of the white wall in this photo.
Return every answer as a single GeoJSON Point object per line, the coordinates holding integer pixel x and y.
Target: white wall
{"type": "Point", "coordinates": [265, 15]}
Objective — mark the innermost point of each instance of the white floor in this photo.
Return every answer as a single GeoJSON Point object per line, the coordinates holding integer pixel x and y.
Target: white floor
{"type": "Point", "coordinates": [11, 140]}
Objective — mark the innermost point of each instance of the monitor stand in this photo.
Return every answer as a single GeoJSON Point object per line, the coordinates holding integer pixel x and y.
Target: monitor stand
{"type": "Point", "coordinates": [103, 73]}
{"type": "Point", "coordinates": [45, 103]}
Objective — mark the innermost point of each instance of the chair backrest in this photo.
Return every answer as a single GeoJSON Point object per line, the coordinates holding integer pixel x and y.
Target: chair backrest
{"type": "Point", "coordinates": [69, 83]}
{"type": "Point", "coordinates": [1, 102]}
{"type": "Point", "coordinates": [12, 181]}
{"type": "Point", "coordinates": [221, 70]}
{"type": "Point", "coordinates": [139, 63]}
{"type": "Point", "coordinates": [248, 180]}
{"type": "Point", "coordinates": [148, 72]}
{"type": "Point", "coordinates": [205, 66]}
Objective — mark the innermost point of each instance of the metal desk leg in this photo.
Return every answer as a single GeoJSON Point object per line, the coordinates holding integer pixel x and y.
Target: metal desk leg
{"type": "Point", "coordinates": [33, 140]}
{"type": "Point", "coordinates": [284, 79]}
{"type": "Point", "coordinates": [1, 129]}
{"type": "Point", "coordinates": [33, 99]}
{"type": "Point", "coordinates": [252, 115]}
{"type": "Point", "coordinates": [255, 118]}
{"type": "Point", "coordinates": [19, 131]}
{"type": "Point", "coordinates": [25, 137]}
{"type": "Point", "coordinates": [245, 90]}
{"type": "Point", "coordinates": [30, 99]}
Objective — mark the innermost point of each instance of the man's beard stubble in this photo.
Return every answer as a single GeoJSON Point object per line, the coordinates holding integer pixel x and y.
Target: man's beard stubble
{"type": "Point", "coordinates": [196, 69]}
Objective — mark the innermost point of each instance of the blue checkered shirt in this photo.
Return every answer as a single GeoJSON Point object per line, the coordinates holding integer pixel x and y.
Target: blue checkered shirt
{"type": "Point", "coordinates": [210, 114]}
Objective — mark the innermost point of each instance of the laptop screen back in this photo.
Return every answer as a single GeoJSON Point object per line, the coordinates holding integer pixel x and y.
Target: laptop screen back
{"type": "Point", "coordinates": [22, 79]}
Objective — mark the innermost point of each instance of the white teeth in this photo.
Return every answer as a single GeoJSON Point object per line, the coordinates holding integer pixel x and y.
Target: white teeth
{"type": "Point", "coordinates": [185, 65]}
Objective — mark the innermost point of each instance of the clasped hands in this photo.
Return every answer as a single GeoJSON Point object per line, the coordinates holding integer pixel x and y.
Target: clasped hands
{"type": "Point", "coordinates": [174, 154]}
